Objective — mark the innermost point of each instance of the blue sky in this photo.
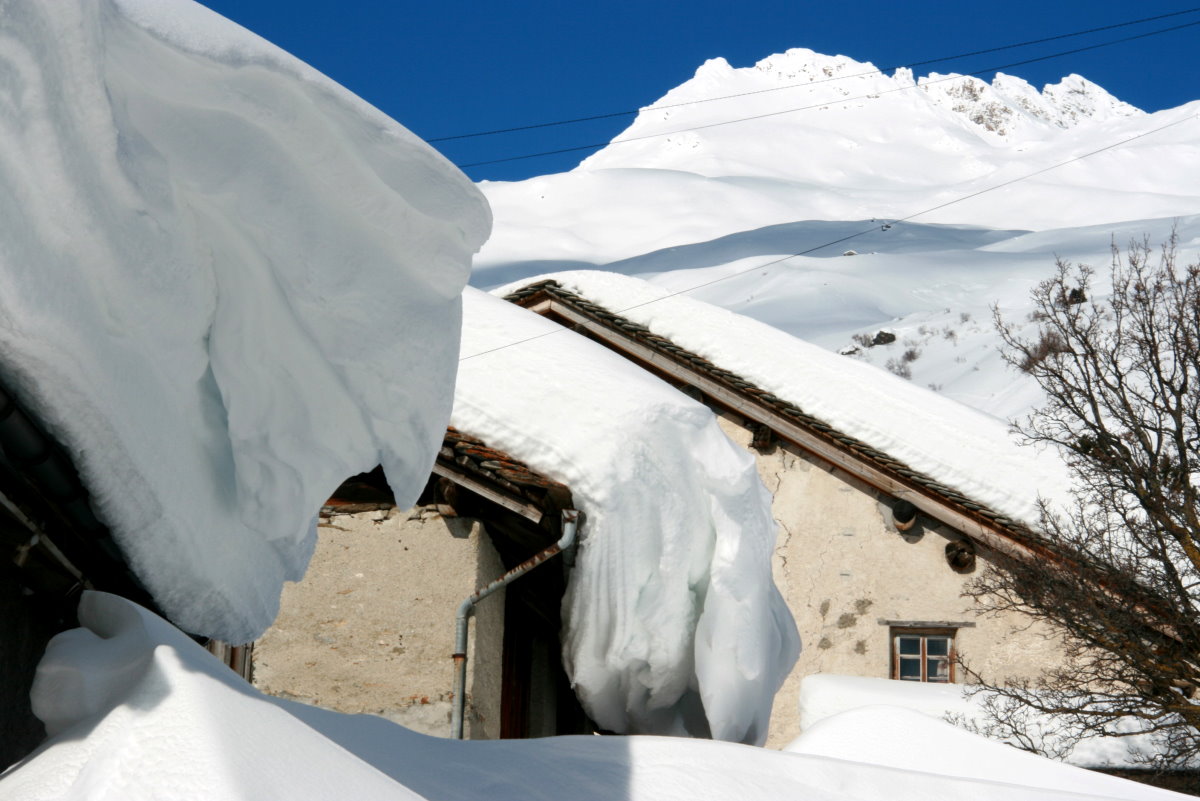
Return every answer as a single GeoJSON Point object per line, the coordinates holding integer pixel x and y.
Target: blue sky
{"type": "Point", "coordinates": [456, 67]}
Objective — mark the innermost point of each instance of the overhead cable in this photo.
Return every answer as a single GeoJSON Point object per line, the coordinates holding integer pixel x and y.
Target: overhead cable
{"type": "Point", "coordinates": [882, 71]}
{"type": "Point", "coordinates": [884, 226]}
{"type": "Point", "coordinates": [872, 95]}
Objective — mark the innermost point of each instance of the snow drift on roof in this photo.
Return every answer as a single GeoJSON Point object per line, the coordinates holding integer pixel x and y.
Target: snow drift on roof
{"type": "Point", "coordinates": [964, 449]}
{"type": "Point", "coordinates": [214, 265]}
{"type": "Point", "coordinates": [673, 624]}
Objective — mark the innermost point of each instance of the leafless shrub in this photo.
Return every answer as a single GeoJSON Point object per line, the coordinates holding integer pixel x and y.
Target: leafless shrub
{"type": "Point", "coordinates": [899, 367]}
{"type": "Point", "coordinates": [1048, 343]}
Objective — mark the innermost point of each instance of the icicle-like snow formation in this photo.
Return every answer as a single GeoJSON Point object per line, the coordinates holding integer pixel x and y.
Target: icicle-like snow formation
{"type": "Point", "coordinates": [673, 624]}
{"type": "Point", "coordinates": [226, 284]}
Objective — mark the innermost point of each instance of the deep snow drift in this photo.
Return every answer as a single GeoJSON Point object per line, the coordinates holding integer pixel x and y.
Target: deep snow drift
{"type": "Point", "coordinates": [916, 706]}
{"type": "Point", "coordinates": [214, 264]}
{"type": "Point", "coordinates": [127, 695]}
{"type": "Point", "coordinates": [672, 623]}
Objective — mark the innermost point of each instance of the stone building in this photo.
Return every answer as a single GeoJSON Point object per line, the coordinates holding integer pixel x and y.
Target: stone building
{"type": "Point", "coordinates": [872, 555]}
{"type": "Point", "coordinates": [871, 558]}
{"type": "Point", "coordinates": [371, 628]}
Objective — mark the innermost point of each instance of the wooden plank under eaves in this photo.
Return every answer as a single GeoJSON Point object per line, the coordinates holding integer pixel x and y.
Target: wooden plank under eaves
{"type": "Point", "coordinates": [467, 480]}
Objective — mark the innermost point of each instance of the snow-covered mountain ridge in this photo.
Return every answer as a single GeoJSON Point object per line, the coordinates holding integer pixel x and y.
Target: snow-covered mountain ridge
{"type": "Point", "coordinates": [993, 181]}
{"type": "Point", "coordinates": [846, 142]}
{"type": "Point", "coordinates": [802, 82]}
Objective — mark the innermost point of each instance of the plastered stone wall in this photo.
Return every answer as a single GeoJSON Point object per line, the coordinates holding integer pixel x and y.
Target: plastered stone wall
{"type": "Point", "coordinates": [843, 569]}
{"type": "Point", "coordinates": [371, 627]}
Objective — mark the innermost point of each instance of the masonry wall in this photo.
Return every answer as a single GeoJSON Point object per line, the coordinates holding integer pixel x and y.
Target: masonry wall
{"type": "Point", "coordinates": [371, 627]}
{"type": "Point", "coordinates": [845, 571]}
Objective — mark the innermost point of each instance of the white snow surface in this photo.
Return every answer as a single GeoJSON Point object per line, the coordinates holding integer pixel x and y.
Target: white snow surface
{"type": "Point", "coordinates": [961, 447]}
{"type": "Point", "coordinates": [925, 181]}
{"type": "Point", "coordinates": [830, 138]}
{"type": "Point", "coordinates": [127, 694]}
{"type": "Point", "coordinates": [214, 264]}
{"type": "Point", "coordinates": [897, 737]}
{"type": "Point", "coordinates": [833, 707]}
{"type": "Point", "coordinates": [672, 623]}
{"type": "Point", "coordinates": [932, 286]}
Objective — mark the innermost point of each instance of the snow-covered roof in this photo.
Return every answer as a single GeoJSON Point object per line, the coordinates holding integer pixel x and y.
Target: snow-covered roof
{"type": "Point", "coordinates": [215, 263]}
{"type": "Point", "coordinates": [935, 444]}
{"type": "Point", "coordinates": [672, 623]}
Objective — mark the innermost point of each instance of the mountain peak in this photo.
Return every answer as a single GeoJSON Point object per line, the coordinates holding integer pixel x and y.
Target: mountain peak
{"type": "Point", "coordinates": [1009, 104]}
{"type": "Point", "coordinates": [799, 105]}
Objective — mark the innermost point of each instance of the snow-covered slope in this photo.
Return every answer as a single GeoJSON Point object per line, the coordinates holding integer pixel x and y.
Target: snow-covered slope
{"type": "Point", "coordinates": [829, 138]}
{"type": "Point", "coordinates": [213, 263]}
{"type": "Point", "coordinates": [933, 287]}
{"type": "Point", "coordinates": [832, 155]}
{"type": "Point", "coordinates": [672, 623]}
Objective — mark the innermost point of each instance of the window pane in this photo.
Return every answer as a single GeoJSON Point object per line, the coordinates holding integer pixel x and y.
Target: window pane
{"type": "Point", "coordinates": [910, 669]}
{"type": "Point", "coordinates": [910, 645]}
{"type": "Point", "coordinates": [937, 646]}
{"type": "Point", "coordinates": [939, 669]}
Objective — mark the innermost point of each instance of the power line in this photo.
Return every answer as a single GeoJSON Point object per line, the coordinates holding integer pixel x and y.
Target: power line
{"type": "Point", "coordinates": [855, 235]}
{"type": "Point", "coordinates": [882, 71]}
{"type": "Point", "coordinates": [976, 73]}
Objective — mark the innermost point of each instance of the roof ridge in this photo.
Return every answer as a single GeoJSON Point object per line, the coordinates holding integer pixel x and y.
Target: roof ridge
{"type": "Point", "coordinates": [663, 344]}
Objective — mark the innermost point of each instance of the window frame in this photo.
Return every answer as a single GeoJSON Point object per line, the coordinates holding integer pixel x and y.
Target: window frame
{"type": "Point", "coordinates": [923, 633]}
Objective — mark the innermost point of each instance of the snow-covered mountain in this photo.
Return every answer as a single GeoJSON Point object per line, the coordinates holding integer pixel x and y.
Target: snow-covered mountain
{"type": "Point", "coordinates": [936, 183]}
{"type": "Point", "coordinates": [802, 106]}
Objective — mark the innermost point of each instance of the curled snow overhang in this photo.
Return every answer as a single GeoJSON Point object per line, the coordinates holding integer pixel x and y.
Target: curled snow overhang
{"type": "Point", "coordinates": [723, 388]}
{"type": "Point", "coordinates": [214, 267]}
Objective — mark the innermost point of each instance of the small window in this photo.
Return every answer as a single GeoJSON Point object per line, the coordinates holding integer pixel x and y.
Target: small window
{"type": "Point", "coordinates": [923, 655]}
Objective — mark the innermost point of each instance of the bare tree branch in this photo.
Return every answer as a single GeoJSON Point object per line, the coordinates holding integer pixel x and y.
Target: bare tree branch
{"type": "Point", "coordinates": [1121, 375]}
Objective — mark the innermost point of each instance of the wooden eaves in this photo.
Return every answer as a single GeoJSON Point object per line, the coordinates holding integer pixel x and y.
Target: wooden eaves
{"type": "Point", "coordinates": [722, 388]}
{"type": "Point", "coordinates": [522, 507]}
{"type": "Point", "coordinates": [493, 474]}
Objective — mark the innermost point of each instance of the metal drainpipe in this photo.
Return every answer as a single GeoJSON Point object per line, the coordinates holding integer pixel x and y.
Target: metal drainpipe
{"type": "Point", "coordinates": [570, 520]}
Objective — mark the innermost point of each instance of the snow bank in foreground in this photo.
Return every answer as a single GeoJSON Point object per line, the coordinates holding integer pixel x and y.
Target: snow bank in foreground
{"type": "Point", "coordinates": [673, 624]}
{"type": "Point", "coordinates": [214, 265]}
{"type": "Point", "coordinates": [829, 697]}
{"type": "Point", "coordinates": [138, 711]}
{"type": "Point", "coordinates": [952, 443]}
{"type": "Point", "coordinates": [901, 738]}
